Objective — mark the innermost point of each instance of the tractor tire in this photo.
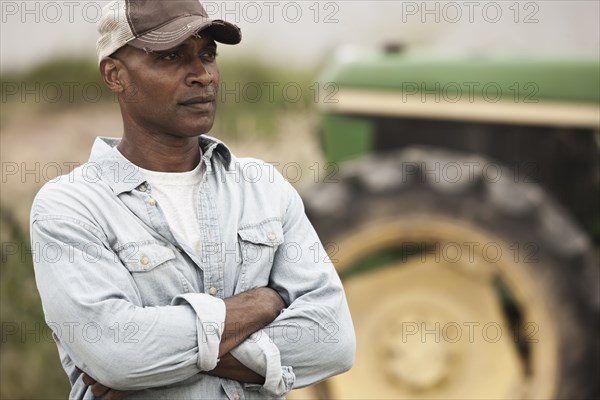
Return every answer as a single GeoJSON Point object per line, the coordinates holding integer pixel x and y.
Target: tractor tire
{"type": "Point", "coordinates": [463, 281]}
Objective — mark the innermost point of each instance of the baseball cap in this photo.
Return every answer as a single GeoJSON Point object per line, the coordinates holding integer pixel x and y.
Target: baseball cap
{"type": "Point", "coordinates": [154, 25]}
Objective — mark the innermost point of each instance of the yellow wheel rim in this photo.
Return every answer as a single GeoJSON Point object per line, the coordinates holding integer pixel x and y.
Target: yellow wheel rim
{"type": "Point", "coordinates": [432, 327]}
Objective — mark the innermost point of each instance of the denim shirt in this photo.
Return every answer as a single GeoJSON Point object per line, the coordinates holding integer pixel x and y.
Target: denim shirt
{"type": "Point", "coordinates": [136, 309]}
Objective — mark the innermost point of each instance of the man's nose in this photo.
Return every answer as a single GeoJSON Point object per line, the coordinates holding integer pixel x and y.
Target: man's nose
{"type": "Point", "coordinates": [198, 74]}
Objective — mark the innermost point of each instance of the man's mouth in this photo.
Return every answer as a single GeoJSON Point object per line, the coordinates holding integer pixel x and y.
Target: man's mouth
{"type": "Point", "coordinates": [198, 99]}
{"type": "Point", "coordinates": [201, 103]}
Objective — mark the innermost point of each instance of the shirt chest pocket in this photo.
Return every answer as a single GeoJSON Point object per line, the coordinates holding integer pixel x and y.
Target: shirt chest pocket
{"type": "Point", "coordinates": [153, 268]}
{"type": "Point", "coordinates": [258, 244]}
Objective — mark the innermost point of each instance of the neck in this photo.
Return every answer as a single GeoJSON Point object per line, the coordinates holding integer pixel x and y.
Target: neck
{"type": "Point", "coordinates": [160, 152]}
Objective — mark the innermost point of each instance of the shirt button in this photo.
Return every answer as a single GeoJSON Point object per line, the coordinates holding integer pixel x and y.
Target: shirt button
{"type": "Point", "coordinates": [212, 291]}
{"type": "Point", "coordinates": [142, 187]}
{"type": "Point", "coordinates": [152, 202]}
{"type": "Point", "coordinates": [236, 396]}
{"type": "Point", "coordinates": [271, 235]}
{"type": "Point", "coordinates": [144, 260]}
{"type": "Point", "coordinates": [179, 249]}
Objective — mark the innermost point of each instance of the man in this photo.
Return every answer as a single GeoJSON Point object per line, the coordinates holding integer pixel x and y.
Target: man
{"type": "Point", "coordinates": [167, 267]}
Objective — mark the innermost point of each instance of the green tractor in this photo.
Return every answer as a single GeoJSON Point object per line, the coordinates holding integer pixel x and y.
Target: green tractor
{"type": "Point", "coordinates": [460, 209]}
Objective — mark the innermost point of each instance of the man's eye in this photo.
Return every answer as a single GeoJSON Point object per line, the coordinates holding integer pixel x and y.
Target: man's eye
{"type": "Point", "coordinates": [210, 55]}
{"type": "Point", "coordinates": [169, 57]}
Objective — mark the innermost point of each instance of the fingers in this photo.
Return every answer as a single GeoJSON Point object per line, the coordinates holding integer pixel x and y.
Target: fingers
{"type": "Point", "coordinates": [88, 380]}
{"type": "Point", "coordinates": [99, 389]}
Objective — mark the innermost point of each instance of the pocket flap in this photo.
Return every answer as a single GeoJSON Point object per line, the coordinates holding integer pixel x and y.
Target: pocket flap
{"type": "Point", "coordinates": [269, 233]}
{"type": "Point", "coordinates": [145, 257]}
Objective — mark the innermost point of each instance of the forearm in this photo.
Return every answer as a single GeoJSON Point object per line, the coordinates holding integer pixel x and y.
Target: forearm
{"type": "Point", "coordinates": [230, 368]}
{"type": "Point", "coordinates": [246, 313]}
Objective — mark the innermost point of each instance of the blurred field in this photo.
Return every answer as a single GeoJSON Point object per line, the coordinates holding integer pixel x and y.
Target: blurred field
{"type": "Point", "coordinates": [40, 140]}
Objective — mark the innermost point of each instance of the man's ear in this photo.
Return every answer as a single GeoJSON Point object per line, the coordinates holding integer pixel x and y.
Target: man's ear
{"type": "Point", "coordinates": [112, 70]}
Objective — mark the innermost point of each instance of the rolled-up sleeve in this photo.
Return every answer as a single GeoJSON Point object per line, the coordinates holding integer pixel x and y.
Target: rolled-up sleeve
{"type": "Point", "coordinates": [210, 319]}
{"type": "Point", "coordinates": [260, 354]}
{"type": "Point", "coordinates": [123, 345]}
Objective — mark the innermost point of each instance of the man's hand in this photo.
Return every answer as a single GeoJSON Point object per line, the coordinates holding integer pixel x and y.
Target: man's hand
{"type": "Point", "coordinates": [99, 390]}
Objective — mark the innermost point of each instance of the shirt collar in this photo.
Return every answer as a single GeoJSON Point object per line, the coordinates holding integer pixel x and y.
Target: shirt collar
{"type": "Point", "coordinates": [123, 176]}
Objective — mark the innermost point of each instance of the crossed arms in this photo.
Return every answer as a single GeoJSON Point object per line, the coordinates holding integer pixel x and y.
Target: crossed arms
{"type": "Point", "coordinates": [245, 314]}
{"type": "Point", "coordinates": [178, 341]}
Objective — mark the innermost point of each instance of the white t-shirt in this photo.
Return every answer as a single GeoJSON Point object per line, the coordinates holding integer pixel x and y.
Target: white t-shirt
{"type": "Point", "coordinates": [177, 195]}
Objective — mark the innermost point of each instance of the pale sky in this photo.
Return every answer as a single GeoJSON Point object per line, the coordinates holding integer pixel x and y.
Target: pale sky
{"type": "Point", "coordinates": [303, 33]}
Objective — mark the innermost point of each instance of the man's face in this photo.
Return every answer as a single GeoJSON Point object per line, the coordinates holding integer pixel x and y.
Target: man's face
{"type": "Point", "coordinates": [172, 92]}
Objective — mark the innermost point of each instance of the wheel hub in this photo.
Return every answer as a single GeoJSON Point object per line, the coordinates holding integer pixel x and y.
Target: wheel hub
{"type": "Point", "coordinates": [412, 362]}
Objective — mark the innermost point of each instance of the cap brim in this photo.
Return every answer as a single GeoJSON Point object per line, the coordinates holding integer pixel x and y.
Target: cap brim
{"type": "Point", "coordinates": [176, 32]}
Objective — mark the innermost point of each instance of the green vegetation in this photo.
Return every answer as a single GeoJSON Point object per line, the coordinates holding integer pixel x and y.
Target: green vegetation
{"type": "Point", "coordinates": [56, 83]}
{"type": "Point", "coordinates": [252, 96]}
{"type": "Point", "coordinates": [29, 364]}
